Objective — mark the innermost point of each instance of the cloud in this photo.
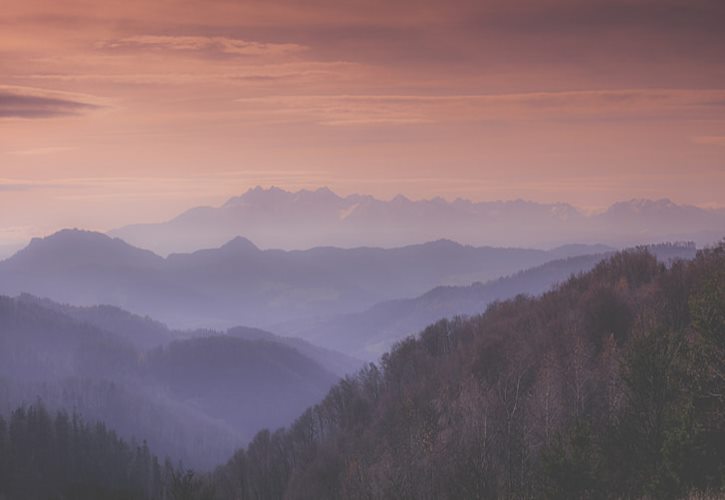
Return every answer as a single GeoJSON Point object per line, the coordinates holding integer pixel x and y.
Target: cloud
{"type": "Point", "coordinates": [15, 187]}
{"type": "Point", "coordinates": [224, 45]}
{"type": "Point", "coordinates": [152, 187]}
{"type": "Point", "coordinates": [21, 186]}
{"type": "Point", "coordinates": [710, 140]}
{"type": "Point", "coordinates": [27, 102]}
{"type": "Point", "coordinates": [341, 110]}
{"type": "Point", "coordinates": [41, 151]}
{"type": "Point", "coordinates": [202, 71]}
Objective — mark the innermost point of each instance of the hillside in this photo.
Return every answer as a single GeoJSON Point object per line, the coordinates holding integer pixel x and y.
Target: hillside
{"type": "Point", "coordinates": [370, 333]}
{"type": "Point", "coordinates": [142, 332]}
{"type": "Point", "coordinates": [247, 384]}
{"type": "Point", "coordinates": [333, 361]}
{"type": "Point", "coordinates": [145, 333]}
{"type": "Point", "coordinates": [609, 386]}
{"type": "Point", "coordinates": [181, 397]}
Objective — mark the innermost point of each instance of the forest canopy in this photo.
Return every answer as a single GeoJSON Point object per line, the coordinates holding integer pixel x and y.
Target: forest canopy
{"type": "Point", "coordinates": [609, 386]}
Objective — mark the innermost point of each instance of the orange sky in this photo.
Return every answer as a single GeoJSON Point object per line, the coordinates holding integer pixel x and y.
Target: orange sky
{"type": "Point", "coordinates": [115, 111]}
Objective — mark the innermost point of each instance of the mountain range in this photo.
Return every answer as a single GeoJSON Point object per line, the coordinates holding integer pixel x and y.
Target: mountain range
{"type": "Point", "coordinates": [239, 284]}
{"type": "Point", "coordinates": [275, 218]}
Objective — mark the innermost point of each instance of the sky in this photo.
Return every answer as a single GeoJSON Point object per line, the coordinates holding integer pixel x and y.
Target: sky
{"type": "Point", "coordinates": [122, 111]}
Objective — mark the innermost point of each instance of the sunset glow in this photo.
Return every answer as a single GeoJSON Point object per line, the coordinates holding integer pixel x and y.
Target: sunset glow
{"type": "Point", "coordinates": [141, 109]}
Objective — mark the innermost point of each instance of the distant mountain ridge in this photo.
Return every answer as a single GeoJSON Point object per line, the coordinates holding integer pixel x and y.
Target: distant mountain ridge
{"type": "Point", "coordinates": [275, 218]}
{"type": "Point", "coordinates": [239, 284]}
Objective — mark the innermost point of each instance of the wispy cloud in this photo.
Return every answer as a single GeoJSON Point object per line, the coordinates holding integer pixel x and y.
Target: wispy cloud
{"type": "Point", "coordinates": [336, 110]}
{"type": "Point", "coordinates": [209, 72]}
{"type": "Point", "coordinates": [220, 44]}
{"type": "Point", "coordinates": [710, 140]}
{"type": "Point", "coordinates": [155, 187]}
{"type": "Point", "coordinates": [15, 187]}
{"type": "Point", "coordinates": [12, 186]}
{"type": "Point", "coordinates": [41, 151]}
{"type": "Point", "coordinates": [27, 102]}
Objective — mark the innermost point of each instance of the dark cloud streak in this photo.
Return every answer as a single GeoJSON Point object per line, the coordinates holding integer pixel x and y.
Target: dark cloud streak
{"type": "Point", "coordinates": [15, 105]}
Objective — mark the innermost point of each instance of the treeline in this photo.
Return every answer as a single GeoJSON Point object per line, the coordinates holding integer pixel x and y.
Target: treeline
{"type": "Point", "coordinates": [60, 457]}
{"type": "Point", "coordinates": [610, 386]}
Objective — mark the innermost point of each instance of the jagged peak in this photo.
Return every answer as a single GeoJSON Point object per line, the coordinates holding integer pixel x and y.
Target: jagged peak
{"type": "Point", "coordinates": [644, 203]}
{"type": "Point", "coordinates": [273, 193]}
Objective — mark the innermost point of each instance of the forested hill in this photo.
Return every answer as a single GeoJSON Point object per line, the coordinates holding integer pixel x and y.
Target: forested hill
{"type": "Point", "coordinates": [370, 333]}
{"type": "Point", "coordinates": [194, 399]}
{"type": "Point", "coordinates": [610, 386]}
{"type": "Point", "coordinates": [45, 456]}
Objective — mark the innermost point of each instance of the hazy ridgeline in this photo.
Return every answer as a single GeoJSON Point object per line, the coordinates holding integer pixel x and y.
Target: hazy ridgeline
{"type": "Point", "coordinates": [275, 218]}
{"type": "Point", "coordinates": [240, 284]}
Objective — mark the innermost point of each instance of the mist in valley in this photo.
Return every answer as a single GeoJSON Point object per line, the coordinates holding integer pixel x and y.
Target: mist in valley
{"type": "Point", "coordinates": [84, 331]}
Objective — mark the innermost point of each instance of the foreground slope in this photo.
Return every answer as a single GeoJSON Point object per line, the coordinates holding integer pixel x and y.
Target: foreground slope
{"type": "Point", "coordinates": [44, 456]}
{"type": "Point", "coordinates": [609, 386]}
